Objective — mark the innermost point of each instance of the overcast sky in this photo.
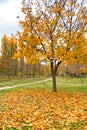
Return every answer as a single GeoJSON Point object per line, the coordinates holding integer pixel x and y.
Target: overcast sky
{"type": "Point", "coordinates": [9, 10]}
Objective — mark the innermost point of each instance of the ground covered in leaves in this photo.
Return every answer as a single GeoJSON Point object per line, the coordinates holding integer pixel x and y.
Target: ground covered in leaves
{"type": "Point", "coordinates": [43, 110]}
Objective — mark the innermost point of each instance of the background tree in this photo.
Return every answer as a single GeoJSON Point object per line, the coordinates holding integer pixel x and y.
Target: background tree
{"type": "Point", "coordinates": [53, 31]}
{"type": "Point", "coordinates": [8, 47]}
{"type": "Point", "coordinates": [5, 53]}
{"type": "Point", "coordinates": [12, 48]}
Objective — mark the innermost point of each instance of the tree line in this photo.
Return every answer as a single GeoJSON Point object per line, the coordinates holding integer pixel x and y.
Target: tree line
{"type": "Point", "coordinates": [17, 67]}
{"type": "Point", "coordinates": [11, 67]}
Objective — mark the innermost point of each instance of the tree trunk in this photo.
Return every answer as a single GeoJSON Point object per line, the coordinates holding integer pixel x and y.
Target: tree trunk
{"type": "Point", "coordinates": [54, 67]}
{"type": "Point", "coordinates": [54, 83]}
{"type": "Point", "coordinates": [53, 77]}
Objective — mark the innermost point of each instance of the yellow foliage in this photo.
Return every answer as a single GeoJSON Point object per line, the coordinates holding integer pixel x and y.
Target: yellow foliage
{"type": "Point", "coordinates": [43, 110]}
{"type": "Point", "coordinates": [56, 33]}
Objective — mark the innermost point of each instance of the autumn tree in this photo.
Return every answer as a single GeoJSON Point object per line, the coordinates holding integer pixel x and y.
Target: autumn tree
{"type": "Point", "coordinates": [53, 31]}
{"type": "Point", "coordinates": [8, 47]}
{"type": "Point", "coordinates": [4, 54]}
{"type": "Point", "coordinates": [13, 63]}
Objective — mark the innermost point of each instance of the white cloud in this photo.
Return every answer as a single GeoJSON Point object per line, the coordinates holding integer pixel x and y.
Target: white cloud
{"type": "Point", "coordinates": [8, 12]}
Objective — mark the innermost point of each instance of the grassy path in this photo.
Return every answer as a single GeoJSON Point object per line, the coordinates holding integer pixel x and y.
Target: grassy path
{"type": "Point", "coordinates": [63, 84]}
{"type": "Point", "coordinates": [24, 84]}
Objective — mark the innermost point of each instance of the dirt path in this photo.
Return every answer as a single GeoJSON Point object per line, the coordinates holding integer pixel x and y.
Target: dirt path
{"type": "Point", "coordinates": [14, 86]}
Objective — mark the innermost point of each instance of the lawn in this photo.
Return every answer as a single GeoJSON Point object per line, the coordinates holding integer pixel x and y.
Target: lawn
{"type": "Point", "coordinates": [36, 107]}
{"type": "Point", "coordinates": [63, 84]}
{"type": "Point", "coordinates": [19, 81]}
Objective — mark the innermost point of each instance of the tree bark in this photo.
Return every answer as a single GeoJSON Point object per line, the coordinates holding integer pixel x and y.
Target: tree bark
{"type": "Point", "coordinates": [53, 77]}
{"type": "Point", "coordinates": [54, 67]}
{"type": "Point", "coordinates": [54, 83]}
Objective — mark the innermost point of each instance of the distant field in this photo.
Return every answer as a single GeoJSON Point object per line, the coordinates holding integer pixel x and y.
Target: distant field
{"type": "Point", "coordinates": [63, 84]}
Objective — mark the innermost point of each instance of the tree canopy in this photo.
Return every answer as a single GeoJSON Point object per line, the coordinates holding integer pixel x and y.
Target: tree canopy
{"type": "Point", "coordinates": [53, 31]}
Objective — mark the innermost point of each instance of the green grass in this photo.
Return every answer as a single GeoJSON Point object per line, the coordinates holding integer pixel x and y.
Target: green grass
{"type": "Point", "coordinates": [63, 84]}
{"type": "Point", "coordinates": [19, 81]}
{"type": "Point", "coordinates": [72, 84]}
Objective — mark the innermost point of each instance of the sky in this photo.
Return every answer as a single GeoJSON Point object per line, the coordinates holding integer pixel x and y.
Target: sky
{"type": "Point", "coordinates": [9, 10]}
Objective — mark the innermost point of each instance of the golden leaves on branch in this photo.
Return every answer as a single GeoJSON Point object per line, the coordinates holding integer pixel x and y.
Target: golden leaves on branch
{"type": "Point", "coordinates": [55, 30]}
